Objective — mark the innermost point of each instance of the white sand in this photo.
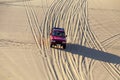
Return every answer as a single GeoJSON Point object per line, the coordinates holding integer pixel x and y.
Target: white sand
{"type": "Point", "coordinates": [93, 49]}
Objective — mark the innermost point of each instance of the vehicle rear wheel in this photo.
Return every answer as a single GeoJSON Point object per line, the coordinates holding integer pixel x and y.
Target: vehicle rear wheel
{"type": "Point", "coordinates": [64, 46]}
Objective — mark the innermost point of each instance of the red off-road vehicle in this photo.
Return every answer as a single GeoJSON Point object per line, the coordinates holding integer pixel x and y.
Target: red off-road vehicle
{"type": "Point", "coordinates": [58, 37]}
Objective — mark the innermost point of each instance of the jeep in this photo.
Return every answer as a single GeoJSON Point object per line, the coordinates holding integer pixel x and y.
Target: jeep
{"type": "Point", "coordinates": [58, 37]}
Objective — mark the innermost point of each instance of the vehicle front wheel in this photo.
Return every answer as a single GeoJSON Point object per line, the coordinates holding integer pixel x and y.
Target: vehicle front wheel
{"type": "Point", "coordinates": [51, 45]}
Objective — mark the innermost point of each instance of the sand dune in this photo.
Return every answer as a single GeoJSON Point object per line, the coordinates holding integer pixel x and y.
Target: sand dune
{"type": "Point", "coordinates": [93, 50]}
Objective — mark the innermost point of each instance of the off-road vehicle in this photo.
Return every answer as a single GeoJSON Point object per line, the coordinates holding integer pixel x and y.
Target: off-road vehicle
{"type": "Point", "coordinates": [58, 37]}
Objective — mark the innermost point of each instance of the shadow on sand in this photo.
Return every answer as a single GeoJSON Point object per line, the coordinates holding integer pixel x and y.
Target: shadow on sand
{"type": "Point", "coordinates": [92, 53]}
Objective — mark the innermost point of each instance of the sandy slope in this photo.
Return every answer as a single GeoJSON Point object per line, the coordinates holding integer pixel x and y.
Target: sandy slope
{"type": "Point", "coordinates": [92, 53]}
{"type": "Point", "coordinates": [103, 27]}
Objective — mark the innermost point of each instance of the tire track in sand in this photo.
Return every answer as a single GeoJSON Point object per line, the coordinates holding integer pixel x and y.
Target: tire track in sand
{"type": "Point", "coordinates": [37, 35]}
{"type": "Point", "coordinates": [110, 41]}
{"type": "Point", "coordinates": [74, 24]}
{"type": "Point", "coordinates": [71, 15]}
{"type": "Point", "coordinates": [72, 69]}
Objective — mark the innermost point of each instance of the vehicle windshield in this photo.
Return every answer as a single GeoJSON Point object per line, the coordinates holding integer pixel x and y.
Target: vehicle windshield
{"type": "Point", "coordinates": [58, 33]}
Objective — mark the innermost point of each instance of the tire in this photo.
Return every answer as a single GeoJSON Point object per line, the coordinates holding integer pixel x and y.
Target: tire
{"type": "Point", "coordinates": [64, 46]}
{"type": "Point", "coordinates": [51, 45]}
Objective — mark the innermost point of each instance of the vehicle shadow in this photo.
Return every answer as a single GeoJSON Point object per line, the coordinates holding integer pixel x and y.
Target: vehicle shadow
{"type": "Point", "coordinates": [92, 53]}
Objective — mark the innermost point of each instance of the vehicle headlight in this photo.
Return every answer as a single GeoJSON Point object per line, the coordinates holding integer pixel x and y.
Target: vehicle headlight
{"type": "Point", "coordinates": [53, 40]}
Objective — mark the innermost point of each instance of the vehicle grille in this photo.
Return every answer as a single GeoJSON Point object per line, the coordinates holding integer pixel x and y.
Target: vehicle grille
{"type": "Point", "coordinates": [58, 42]}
